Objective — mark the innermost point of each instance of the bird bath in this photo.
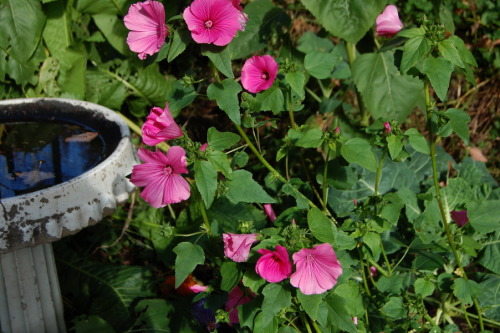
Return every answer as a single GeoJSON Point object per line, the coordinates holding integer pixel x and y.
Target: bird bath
{"type": "Point", "coordinates": [63, 167]}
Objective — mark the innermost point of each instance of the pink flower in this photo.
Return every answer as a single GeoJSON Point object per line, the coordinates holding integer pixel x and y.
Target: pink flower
{"type": "Point", "coordinates": [213, 21]}
{"type": "Point", "coordinates": [160, 176]}
{"type": "Point", "coordinates": [237, 247]}
{"type": "Point", "coordinates": [243, 18]}
{"type": "Point", "coordinates": [388, 23]}
{"type": "Point", "coordinates": [387, 127]}
{"type": "Point", "coordinates": [460, 217]}
{"type": "Point", "coordinates": [160, 126]}
{"type": "Point", "coordinates": [317, 269]}
{"type": "Point", "coordinates": [197, 288]}
{"type": "Point", "coordinates": [236, 297]}
{"type": "Point", "coordinates": [274, 266]}
{"type": "Point", "coordinates": [204, 146]}
{"type": "Point", "coordinates": [258, 73]}
{"type": "Point", "coordinates": [146, 20]}
{"type": "Point", "coordinates": [373, 271]}
{"type": "Point", "coordinates": [268, 209]}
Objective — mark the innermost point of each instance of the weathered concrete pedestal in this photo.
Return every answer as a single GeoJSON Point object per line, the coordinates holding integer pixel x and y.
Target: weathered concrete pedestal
{"type": "Point", "coordinates": [30, 298]}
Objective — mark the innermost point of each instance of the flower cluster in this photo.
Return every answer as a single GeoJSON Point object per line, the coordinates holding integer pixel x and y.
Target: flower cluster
{"type": "Point", "coordinates": [317, 269]}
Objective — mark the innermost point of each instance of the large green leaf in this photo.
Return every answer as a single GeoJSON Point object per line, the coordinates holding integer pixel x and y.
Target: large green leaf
{"type": "Point", "coordinates": [490, 300]}
{"type": "Point", "coordinates": [415, 49]}
{"type": "Point", "coordinates": [188, 257]}
{"type": "Point", "coordinates": [395, 95]}
{"type": "Point", "coordinates": [21, 23]}
{"type": "Point", "coordinates": [242, 188]}
{"type": "Point", "coordinates": [226, 96]}
{"type": "Point", "coordinates": [220, 57]}
{"type": "Point", "coordinates": [102, 6]}
{"type": "Point", "coordinates": [438, 70]}
{"type": "Point", "coordinates": [349, 20]}
{"type": "Point", "coordinates": [206, 181]}
{"type": "Point", "coordinates": [484, 215]}
{"type": "Point", "coordinates": [489, 259]}
{"type": "Point", "coordinates": [107, 290]}
{"type": "Point", "coordinates": [357, 150]}
{"type": "Point", "coordinates": [275, 299]}
{"type": "Point", "coordinates": [321, 227]}
{"type": "Point", "coordinates": [101, 90]}
{"type": "Point", "coordinates": [114, 30]}
{"type": "Point", "coordinates": [221, 140]}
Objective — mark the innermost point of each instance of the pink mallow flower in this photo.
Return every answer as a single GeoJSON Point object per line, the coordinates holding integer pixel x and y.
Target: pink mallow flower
{"type": "Point", "coordinates": [213, 21]}
{"type": "Point", "coordinates": [235, 298]}
{"type": "Point", "coordinates": [258, 73]}
{"type": "Point", "coordinates": [317, 269]}
{"type": "Point", "coordinates": [387, 127]}
{"type": "Point", "coordinates": [160, 175]}
{"type": "Point", "coordinates": [388, 23]}
{"type": "Point", "coordinates": [274, 266]}
{"type": "Point", "coordinates": [268, 209]}
{"type": "Point", "coordinates": [243, 18]}
{"type": "Point", "coordinates": [146, 22]}
{"type": "Point", "coordinates": [237, 246]}
{"type": "Point", "coordinates": [160, 126]}
{"type": "Point", "coordinates": [460, 217]}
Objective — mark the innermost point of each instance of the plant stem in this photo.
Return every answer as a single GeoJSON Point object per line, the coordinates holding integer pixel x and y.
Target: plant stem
{"type": "Point", "coordinates": [444, 213]}
{"type": "Point", "coordinates": [379, 173]}
{"type": "Point", "coordinates": [363, 272]}
{"type": "Point", "coordinates": [324, 185]}
{"type": "Point", "coordinates": [305, 321]}
{"type": "Point", "coordinates": [351, 56]}
{"type": "Point", "coordinates": [206, 223]}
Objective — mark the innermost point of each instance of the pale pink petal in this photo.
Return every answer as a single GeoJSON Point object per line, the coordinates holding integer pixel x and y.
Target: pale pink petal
{"type": "Point", "coordinates": [177, 159]}
{"type": "Point", "coordinates": [268, 209]}
{"type": "Point", "coordinates": [388, 23]}
{"type": "Point", "coordinates": [176, 189]}
{"type": "Point", "coordinates": [237, 246]}
{"type": "Point", "coordinates": [196, 288]}
{"type": "Point", "coordinates": [153, 193]}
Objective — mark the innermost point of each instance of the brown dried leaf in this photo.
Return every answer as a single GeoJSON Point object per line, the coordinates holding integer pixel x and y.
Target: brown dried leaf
{"type": "Point", "coordinates": [477, 155]}
{"type": "Point", "coordinates": [82, 137]}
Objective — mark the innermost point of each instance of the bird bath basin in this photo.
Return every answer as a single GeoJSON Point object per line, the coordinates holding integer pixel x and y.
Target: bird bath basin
{"type": "Point", "coordinates": [63, 167]}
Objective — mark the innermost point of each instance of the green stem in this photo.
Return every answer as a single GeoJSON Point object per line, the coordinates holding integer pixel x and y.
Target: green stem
{"type": "Point", "coordinates": [290, 111]}
{"type": "Point", "coordinates": [379, 268]}
{"type": "Point", "coordinates": [351, 56]}
{"type": "Point", "coordinates": [304, 320]}
{"type": "Point", "coordinates": [324, 185]}
{"type": "Point", "coordinates": [363, 272]}
{"type": "Point", "coordinates": [313, 95]}
{"type": "Point", "coordinates": [444, 213]}
{"type": "Point", "coordinates": [205, 218]}
{"type": "Point", "coordinates": [379, 173]}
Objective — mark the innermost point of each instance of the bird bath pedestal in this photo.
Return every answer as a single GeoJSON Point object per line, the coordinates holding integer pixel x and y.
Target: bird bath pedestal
{"type": "Point", "coordinates": [70, 175]}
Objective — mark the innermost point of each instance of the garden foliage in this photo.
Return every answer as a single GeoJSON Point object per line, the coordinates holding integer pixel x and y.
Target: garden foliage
{"type": "Point", "coordinates": [283, 187]}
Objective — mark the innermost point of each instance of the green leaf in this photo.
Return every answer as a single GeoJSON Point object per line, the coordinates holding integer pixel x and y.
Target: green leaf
{"type": "Point", "coordinates": [483, 215]}
{"type": "Point", "coordinates": [319, 64]}
{"type": "Point", "coordinates": [272, 100]}
{"type": "Point", "coordinates": [102, 90]}
{"type": "Point", "coordinates": [153, 313]}
{"type": "Point", "coordinates": [449, 52]}
{"type": "Point", "coordinates": [372, 241]}
{"type": "Point", "coordinates": [490, 300]}
{"type": "Point", "coordinates": [466, 290]}
{"type": "Point", "coordinates": [395, 145]}
{"type": "Point", "coordinates": [312, 138]}
{"type": "Point", "coordinates": [114, 30]}
{"type": "Point", "coordinates": [459, 123]}
{"type": "Point", "coordinates": [349, 294]}
{"type": "Point", "coordinates": [230, 274]}
{"type": "Point", "coordinates": [93, 324]}
{"type": "Point", "coordinates": [489, 259]}
{"type": "Point", "coordinates": [396, 95]}
{"type": "Point", "coordinates": [102, 6]}
{"type": "Point", "coordinates": [423, 287]}
{"type": "Point", "coordinates": [349, 20]}
{"type": "Point", "coordinates": [321, 226]}
{"type": "Point", "coordinates": [221, 140]}
{"type": "Point", "coordinates": [242, 188]}
{"type": "Point", "coordinates": [188, 257]}
{"type": "Point", "coordinates": [446, 18]}
{"type": "Point", "coordinates": [338, 316]}
{"type": "Point", "coordinates": [253, 280]}
{"type": "Point", "coordinates": [178, 95]}
{"type": "Point", "coordinates": [413, 32]}
{"type": "Point", "coordinates": [417, 141]}
{"type": "Point", "coordinates": [296, 80]}
{"type": "Point", "coordinates": [414, 50]}
{"type": "Point", "coordinates": [358, 151]}
{"type": "Point", "coordinates": [275, 299]}
{"type": "Point", "coordinates": [310, 304]}
{"type": "Point", "coordinates": [226, 96]}
{"type": "Point", "coordinates": [263, 324]}
{"type": "Point", "coordinates": [220, 162]}
{"type": "Point", "coordinates": [21, 22]}
{"type": "Point", "coordinates": [224, 212]}
{"type": "Point", "coordinates": [394, 308]}
{"type": "Point", "coordinates": [206, 181]}
{"type": "Point", "coordinates": [438, 70]}
{"type": "Point", "coordinates": [179, 43]}
{"type": "Point", "coordinates": [220, 57]}
{"type": "Point", "coordinates": [310, 42]}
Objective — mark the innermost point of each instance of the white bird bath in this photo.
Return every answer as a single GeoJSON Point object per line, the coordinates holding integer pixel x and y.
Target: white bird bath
{"type": "Point", "coordinates": [51, 191]}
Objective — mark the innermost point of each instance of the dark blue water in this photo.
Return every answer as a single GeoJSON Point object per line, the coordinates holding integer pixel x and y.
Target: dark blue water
{"type": "Point", "coordinates": [37, 155]}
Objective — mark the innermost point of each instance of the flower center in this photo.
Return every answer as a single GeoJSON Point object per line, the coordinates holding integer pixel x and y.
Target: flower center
{"type": "Point", "coordinates": [310, 258]}
{"type": "Point", "coordinates": [209, 24]}
{"type": "Point", "coordinates": [168, 170]}
{"type": "Point", "coordinates": [264, 76]}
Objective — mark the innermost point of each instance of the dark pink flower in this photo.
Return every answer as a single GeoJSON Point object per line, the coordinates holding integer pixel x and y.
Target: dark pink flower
{"type": "Point", "coordinates": [373, 271]}
{"type": "Point", "coordinates": [274, 266]}
{"type": "Point", "coordinates": [204, 146]}
{"type": "Point", "coordinates": [460, 217]}
{"type": "Point", "coordinates": [268, 209]}
{"type": "Point", "coordinates": [388, 23]}
{"type": "Point", "coordinates": [387, 127]}
{"type": "Point", "coordinates": [160, 126]}
{"type": "Point", "coordinates": [237, 246]}
{"type": "Point", "coordinates": [213, 21]}
{"type": "Point", "coordinates": [198, 288]}
{"type": "Point", "coordinates": [146, 22]}
{"type": "Point", "coordinates": [160, 175]}
{"type": "Point", "coordinates": [258, 73]}
{"type": "Point", "coordinates": [236, 297]}
{"type": "Point", "coordinates": [317, 269]}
